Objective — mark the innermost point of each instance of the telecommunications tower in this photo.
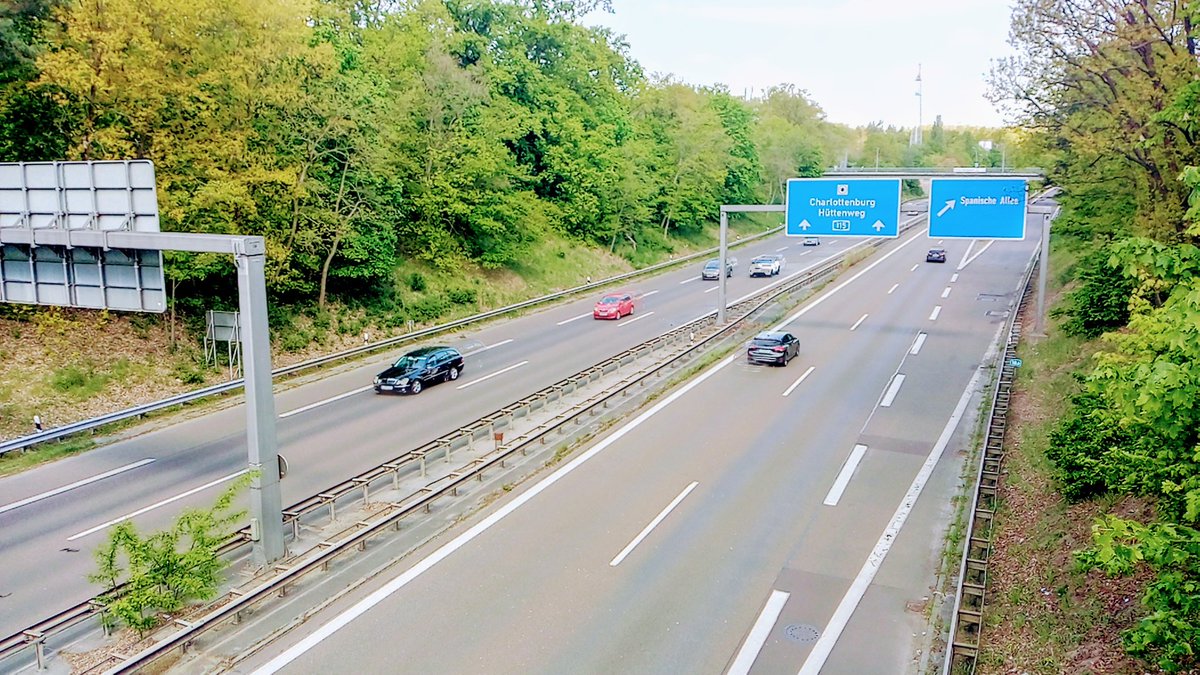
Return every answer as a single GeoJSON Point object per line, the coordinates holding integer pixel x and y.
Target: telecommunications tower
{"type": "Point", "coordinates": [915, 138]}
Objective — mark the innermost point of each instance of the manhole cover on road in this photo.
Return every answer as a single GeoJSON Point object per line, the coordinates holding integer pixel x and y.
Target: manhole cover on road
{"type": "Point", "coordinates": [802, 632]}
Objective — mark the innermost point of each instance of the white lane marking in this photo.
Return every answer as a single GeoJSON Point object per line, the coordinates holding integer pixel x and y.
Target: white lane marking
{"type": "Point", "coordinates": [806, 253]}
{"type": "Point", "coordinates": [913, 268]}
{"type": "Point", "coordinates": [164, 502]}
{"type": "Point", "coordinates": [799, 380]}
{"type": "Point", "coordinates": [916, 347]}
{"type": "Point", "coordinates": [859, 322]}
{"type": "Point", "coordinates": [858, 588]}
{"type": "Point", "coordinates": [639, 317]}
{"type": "Point", "coordinates": [653, 524]}
{"type": "Point", "coordinates": [781, 248]}
{"type": "Point", "coordinates": [331, 399]}
{"type": "Point", "coordinates": [893, 288]}
{"type": "Point", "coordinates": [937, 310]}
{"type": "Point", "coordinates": [491, 375]}
{"type": "Point", "coordinates": [498, 344]}
{"type": "Point", "coordinates": [759, 633]}
{"type": "Point", "coordinates": [967, 260]}
{"type": "Point", "coordinates": [687, 280]}
{"type": "Point", "coordinates": [946, 293]}
{"type": "Point", "coordinates": [649, 293]}
{"type": "Point", "coordinates": [341, 620]}
{"type": "Point", "coordinates": [574, 318]}
{"type": "Point", "coordinates": [843, 478]}
{"type": "Point", "coordinates": [72, 486]}
{"type": "Point", "coordinates": [712, 289]}
{"type": "Point", "coordinates": [954, 277]}
{"type": "Point", "coordinates": [890, 396]}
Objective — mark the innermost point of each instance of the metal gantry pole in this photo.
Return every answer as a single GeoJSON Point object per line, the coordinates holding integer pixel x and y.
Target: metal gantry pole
{"type": "Point", "coordinates": [721, 278]}
{"type": "Point", "coordinates": [266, 503]}
{"type": "Point", "coordinates": [1043, 271]}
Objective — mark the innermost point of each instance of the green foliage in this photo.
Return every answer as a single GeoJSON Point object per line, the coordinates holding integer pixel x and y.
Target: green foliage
{"type": "Point", "coordinates": [462, 296]}
{"type": "Point", "coordinates": [1169, 634]}
{"type": "Point", "coordinates": [81, 380]}
{"type": "Point", "coordinates": [164, 571]}
{"type": "Point", "coordinates": [417, 282]}
{"type": "Point", "coordinates": [1086, 449]}
{"type": "Point", "coordinates": [1101, 302]}
{"type": "Point", "coordinates": [428, 308]}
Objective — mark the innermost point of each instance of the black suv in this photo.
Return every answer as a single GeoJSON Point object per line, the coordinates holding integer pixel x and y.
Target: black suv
{"type": "Point", "coordinates": [411, 372]}
{"type": "Point", "coordinates": [773, 347]}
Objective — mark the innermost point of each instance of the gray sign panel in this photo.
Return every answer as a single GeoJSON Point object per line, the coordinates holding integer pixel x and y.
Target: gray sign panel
{"type": "Point", "coordinates": [106, 196]}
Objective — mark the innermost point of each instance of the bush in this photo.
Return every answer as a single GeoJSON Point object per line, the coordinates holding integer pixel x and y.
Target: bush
{"type": "Point", "coordinates": [1084, 448]}
{"type": "Point", "coordinates": [416, 281]}
{"type": "Point", "coordinates": [1101, 303]}
{"type": "Point", "coordinates": [428, 309]}
{"type": "Point", "coordinates": [462, 296]}
{"type": "Point", "coordinates": [294, 340]}
{"type": "Point", "coordinates": [83, 380]}
{"type": "Point", "coordinates": [189, 372]}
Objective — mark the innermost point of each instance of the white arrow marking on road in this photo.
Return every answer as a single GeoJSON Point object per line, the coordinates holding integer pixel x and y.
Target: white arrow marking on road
{"type": "Point", "coordinates": [949, 205]}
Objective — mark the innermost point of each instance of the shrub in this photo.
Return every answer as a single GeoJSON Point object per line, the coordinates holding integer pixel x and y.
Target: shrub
{"type": "Point", "coordinates": [428, 309]}
{"type": "Point", "coordinates": [78, 380]}
{"type": "Point", "coordinates": [294, 340]}
{"type": "Point", "coordinates": [416, 281]}
{"type": "Point", "coordinates": [189, 372]}
{"type": "Point", "coordinates": [462, 296]}
{"type": "Point", "coordinates": [1084, 449]}
{"type": "Point", "coordinates": [1101, 302]}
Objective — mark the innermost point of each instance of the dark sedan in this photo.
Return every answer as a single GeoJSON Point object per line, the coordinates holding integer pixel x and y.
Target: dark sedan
{"type": "Point", "coordinates": [936, 255]}
{"type": "Point", "coordinates": [427, 365]}
{"type": "Point", "coordinates": [773, 347]}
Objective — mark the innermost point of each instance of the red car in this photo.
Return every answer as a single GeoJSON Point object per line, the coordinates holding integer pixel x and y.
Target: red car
{"type": "Point", "coordinates": [613, 306]}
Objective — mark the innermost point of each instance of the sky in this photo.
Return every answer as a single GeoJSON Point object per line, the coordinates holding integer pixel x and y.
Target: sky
{"type": "Point", "coordinates": [857, 59]}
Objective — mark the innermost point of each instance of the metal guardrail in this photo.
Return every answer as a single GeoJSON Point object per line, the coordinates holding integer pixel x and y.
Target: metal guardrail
{"type": "Point", "coordinates": [966, 621]}
{"type": "Point", "coordinates": [58, 433]}
{"type": "Point", "coordinates": [36, 635]}
{"type": "Point", "coordinates": [328, 550]}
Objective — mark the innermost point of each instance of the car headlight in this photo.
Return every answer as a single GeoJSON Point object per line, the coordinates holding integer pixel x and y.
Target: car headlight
{"type": "Point", "coordinates": [377, 380]}
{"type": "Point", "coordinates": [402, 381]}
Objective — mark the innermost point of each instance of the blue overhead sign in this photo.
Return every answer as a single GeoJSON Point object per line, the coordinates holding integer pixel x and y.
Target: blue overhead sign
{"type": "Point", "coordinates": [977, 208]}
{"type": "Point", "coordinates": [846, 207]}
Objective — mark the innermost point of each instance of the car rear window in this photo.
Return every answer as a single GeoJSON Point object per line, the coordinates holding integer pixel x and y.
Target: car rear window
{"type": "Point", "coordinates": [765, 342]}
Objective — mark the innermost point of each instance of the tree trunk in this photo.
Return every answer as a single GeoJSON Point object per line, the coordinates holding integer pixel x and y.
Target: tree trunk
{"type": "Point", "coordinates": [337, 239]}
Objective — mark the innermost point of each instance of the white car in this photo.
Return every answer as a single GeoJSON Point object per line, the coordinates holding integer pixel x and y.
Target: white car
{"type": "Point", "coordinates": [766, 265]}
{"type": "Point", "coordinates": [812, 241]}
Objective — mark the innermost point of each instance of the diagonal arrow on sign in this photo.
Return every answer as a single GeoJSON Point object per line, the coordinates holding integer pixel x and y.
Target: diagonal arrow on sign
{"type": "Point", "coordinates": [949, 205]}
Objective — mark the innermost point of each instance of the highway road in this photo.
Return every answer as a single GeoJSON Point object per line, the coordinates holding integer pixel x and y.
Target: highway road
{"type": "Point", "coordinates": [52, 517]}
{"type": "Point", "coordinates": [756, 519]}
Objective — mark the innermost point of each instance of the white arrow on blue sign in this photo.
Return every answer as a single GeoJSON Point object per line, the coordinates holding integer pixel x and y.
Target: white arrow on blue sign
{"type": "Point", "coordinates": [840, 207]}
{"type": "Point", "coordinates": [977, 208]}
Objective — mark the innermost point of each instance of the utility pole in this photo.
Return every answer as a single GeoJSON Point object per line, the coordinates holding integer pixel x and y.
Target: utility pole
{"type": "Point", "coordinates": [916, 138]}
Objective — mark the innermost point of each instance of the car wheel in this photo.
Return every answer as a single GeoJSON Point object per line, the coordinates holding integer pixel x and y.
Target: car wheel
{"type": "Point", "coordinates": [415, 387]}
{"type": "Point", "coordinates": [453, 374]}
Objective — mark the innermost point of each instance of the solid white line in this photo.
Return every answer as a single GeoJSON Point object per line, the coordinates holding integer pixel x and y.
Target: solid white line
{"type": "Point", "coordinates": [712, 289]}
{"type": "Point", "coordinates": [335, 624]}
{"type": "Point", "coordinates": [649, 293]}
{"type": "Point", "coordinates": [843, 478]}
{"type": "Point", "coordinates": [893, 288]}
{"type": "Point", "coordinates": [859, 322]}
{"type": "Point", "coordinates": [799, 380]}
{"type": "Point", "coordinates": [318, 404]}
{"type": "Point", "coordinates": [781, 248]}
{"type": "Point", "coordinates": [758, 634]}
{"type": "Point", "coordinates": [72, 486]}
{"type": "Point", "coordinates": [954, 277]}
{"type": "Point", "coordinates": [913, 268]}
{"type": "Point", "coordinates": [892, 391]}
{"type": "Point", "coordinates": [498, 344]}
{"type": "Point", "coordinates": [858, 588]}
{"type": "Point", "coordinates": [946, 293]}
{"type": "Point", "coordinates": [653, 524]}
{"type": "Point", "coordinates": [574, 318]}
{"type": "Point", "coordinates": [916, 348]}
{"type": "Point", "coordinates": [968, 260]}
{"type": "Point", "coordinates": [164, 502]}
{"type": "Point", "coordinates": [491, 375]}
{"type": "Point", "coordinates": [687, 280]}
{"type": "Point", "coordinates": [639, 317]}
{"type": "Point", "coordinates": [937, 310]}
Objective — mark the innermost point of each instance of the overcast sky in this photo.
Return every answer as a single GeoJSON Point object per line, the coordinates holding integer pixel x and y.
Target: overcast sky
{"type": "Point", "coordinates": [856, 58]}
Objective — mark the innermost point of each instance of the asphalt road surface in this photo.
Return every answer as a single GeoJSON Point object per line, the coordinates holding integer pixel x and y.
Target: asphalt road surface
{"type": "Point", "coordinates": [757, 519]}
{"type": "Point", "coordinates": [53, 517]}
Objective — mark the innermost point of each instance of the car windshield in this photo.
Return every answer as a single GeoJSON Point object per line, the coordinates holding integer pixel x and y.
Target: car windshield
{"type": "Point", "coordinates": [609, 300]}
{"type": "Point", "coordinates": [408, 362]}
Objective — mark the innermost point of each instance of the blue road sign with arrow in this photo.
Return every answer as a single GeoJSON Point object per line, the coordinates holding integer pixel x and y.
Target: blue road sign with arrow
{"type": "Point", "coordinates": [977, 208]}
{"type": "Point", "coordinates": [843, 207]}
